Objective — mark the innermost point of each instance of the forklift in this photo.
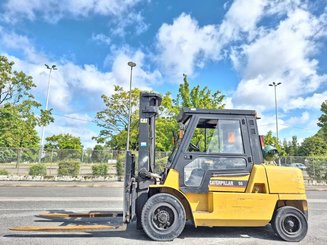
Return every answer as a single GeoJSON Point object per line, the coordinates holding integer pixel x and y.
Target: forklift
{"type": "Point", "coordinates": [214, 177]}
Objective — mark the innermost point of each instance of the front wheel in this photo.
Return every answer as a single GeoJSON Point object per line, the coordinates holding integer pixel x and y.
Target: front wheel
{"type": "Point", "coordinates": [163, 217]}
{"type": "Point", "coordinates": [290, 224]}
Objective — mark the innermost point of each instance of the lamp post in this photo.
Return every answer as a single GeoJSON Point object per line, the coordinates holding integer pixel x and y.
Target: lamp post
{"type": "Point", "coordinates": [273, 84]}
{"type": "Point", "coordinates": [50, 68]}
{"type": "Point", "coordinates": [131, 64]}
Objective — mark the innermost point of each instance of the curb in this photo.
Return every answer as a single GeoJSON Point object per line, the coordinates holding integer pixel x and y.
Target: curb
{"type": "Point", "coordinates": [60, 184]}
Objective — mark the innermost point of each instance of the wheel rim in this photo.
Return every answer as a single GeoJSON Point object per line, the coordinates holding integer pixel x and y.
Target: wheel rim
{"type": "Point", "coordinates": [163, 217]}
{"type": "Point", "coordinates": [291, 225]}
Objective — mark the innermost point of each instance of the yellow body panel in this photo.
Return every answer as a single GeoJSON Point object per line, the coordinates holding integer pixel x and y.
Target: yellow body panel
{"type": "Point", "coordinates": [267, 187]}
{"type": "Point", "coordinates": [285, 180]}
{"type": "Point", "coordinates": [227, 183]}
{"type": "Point", "coordinates": [235, 209]}
{"type": "Point", "coordinates": [258, 180]}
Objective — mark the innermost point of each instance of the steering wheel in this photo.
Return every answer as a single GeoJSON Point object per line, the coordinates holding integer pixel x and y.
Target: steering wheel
{"type": "Point", "coordinates": [193, 147]}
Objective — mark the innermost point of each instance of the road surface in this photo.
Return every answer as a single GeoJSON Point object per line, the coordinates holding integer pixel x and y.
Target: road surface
{"type": "Point", "coordinates": [19, 205]}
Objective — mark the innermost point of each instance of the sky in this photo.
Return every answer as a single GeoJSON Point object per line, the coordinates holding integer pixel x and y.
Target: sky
{"type": "Point", "coordinates": [237, 47]}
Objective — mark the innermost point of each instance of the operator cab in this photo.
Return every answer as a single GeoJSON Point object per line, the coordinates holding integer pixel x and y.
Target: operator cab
{"type": "Point", "coordinates": [214, 142]}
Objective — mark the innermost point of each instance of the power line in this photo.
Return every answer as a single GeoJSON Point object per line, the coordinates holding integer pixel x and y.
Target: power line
{"type": "Point", "coordinates": [75, 118]}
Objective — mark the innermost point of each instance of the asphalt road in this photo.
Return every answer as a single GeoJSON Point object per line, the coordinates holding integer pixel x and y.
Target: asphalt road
{"type": "Point", "coordinates": [19, 205]}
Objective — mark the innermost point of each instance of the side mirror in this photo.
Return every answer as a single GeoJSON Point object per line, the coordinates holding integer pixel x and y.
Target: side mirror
{"type": "Point", "coordinates": [270, 153]}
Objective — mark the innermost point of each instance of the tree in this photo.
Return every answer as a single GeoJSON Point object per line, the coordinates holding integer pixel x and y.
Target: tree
{"type": "Point", "coordinates": [291, 148]}
{"type": "Point", "coordinates": [322, 121]}
{"type": "Point", "coordinates": [19, 109]}
{"type": "Point", "coordinates": [114, 118]}
{"type": "Point", "coordinates": [66, 145]}
{"type": "Point", "coordinates": [314, 146]}
{"type": "Point", "coordinates": [197, 97]}
{"type": "Point", "coordinates": [14, 86]}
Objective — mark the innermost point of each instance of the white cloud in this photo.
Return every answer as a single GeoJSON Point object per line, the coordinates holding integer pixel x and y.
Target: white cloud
{"type": "Point", "coordinates": [228, 103]}
{"type": "Point", "coordinates": [285, 54]}
{"type": "Point", "coordinates": [268, 123]}
{"type": "Point", "coordinates": [136, 20]}
{"type": "Point", "coordinates": [74, 124]}
{"type": "Point", "coordinates": [53, 10]}
{"type": "Point", "coordinates": [308, 102]}
{"type": "Point", "coordinates": [101, 38]}
{"type": "Point", "coordinates": [14, 41]}
{"type": "Point", "coordinates": [184, 45]}
{"type": "Point", "coordinates": [70, 77]}
{"type": "Point", "coordinates": [304, 118]}
{"type": "Point", "coordinates": [242, 16]}
{"type": "Point", "coordinates": [71, 82]}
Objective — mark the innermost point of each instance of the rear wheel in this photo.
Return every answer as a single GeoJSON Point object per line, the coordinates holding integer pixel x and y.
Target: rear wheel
{"type": "Point", "coordinates": [163, 217]}
{"type": "Point", "coordinates": [290, 224]}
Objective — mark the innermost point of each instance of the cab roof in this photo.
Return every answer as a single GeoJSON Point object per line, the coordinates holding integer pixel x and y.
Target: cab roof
{"type": "Point", "coordinates": [185, 113]}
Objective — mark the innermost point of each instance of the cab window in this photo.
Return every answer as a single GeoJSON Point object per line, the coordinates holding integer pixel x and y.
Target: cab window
{"type": "Point", "coordinates": [217, 136]}
{"type": "Point", "coordinates": [194, 171]}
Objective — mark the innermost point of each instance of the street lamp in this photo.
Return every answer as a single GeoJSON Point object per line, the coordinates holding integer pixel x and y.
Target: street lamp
{"type": "Point", "coordinates": [131, 64]}
{"type": "Point", "coordinates": [50, 68]}
{"type": "Point", "coordinates": [275, 85]}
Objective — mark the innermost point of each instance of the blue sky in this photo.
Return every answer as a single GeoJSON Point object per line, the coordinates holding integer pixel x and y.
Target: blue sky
{"type": "Point", "coordinates": [238, 47]}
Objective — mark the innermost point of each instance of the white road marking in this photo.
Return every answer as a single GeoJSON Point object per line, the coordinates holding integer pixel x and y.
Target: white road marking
{"type": "Point", "coordinates": [317, 200]}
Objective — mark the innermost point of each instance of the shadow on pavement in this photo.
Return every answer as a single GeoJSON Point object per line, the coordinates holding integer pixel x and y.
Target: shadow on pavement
{"type": "Point", "coordinates": [130, 232]}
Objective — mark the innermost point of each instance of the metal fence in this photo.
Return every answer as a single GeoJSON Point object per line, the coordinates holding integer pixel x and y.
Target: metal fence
{"type": "Point", "coordinates": [27, 155]}
{"type": "Point", "coordinates": [314, 168]}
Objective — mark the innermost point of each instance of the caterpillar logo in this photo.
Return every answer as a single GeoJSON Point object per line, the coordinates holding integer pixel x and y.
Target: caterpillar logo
{"type": "Point", "coordinates": [228, 183]}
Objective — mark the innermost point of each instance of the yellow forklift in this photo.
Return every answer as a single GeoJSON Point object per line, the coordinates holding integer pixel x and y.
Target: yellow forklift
{"type": "Point", "coordinates": [214, 177]}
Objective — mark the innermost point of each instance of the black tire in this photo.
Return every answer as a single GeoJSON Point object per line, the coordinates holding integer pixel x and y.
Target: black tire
{"type": "Point", "coordinates": [163, 217]}
{"type": "Point", "coordinates": [273, 225]}
{"type": "Point", "coordinates": [290, 224]}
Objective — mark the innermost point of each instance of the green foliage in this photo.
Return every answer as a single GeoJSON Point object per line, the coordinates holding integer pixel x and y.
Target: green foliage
{"type": "Point", "coordinates": [69, 168]}
{"type": "Point", "coordinates": [38, 169]}
{"type": "Point", "coordinates": [18, 108]}
{"type": "Point", "coordinates": [164, 133]}
{"type": "Point", "coordinates": [100, 169]}
{"type": "Point", "coordinates": [4, 172]}
{"type": "Point", "coordinates": [97, 153]}
{"type": "Point", "coordinates": [14, 86]}
{"type": "Point", "coordinates": [161, 163]}
{"type": "Point", "coordinates": [322, 121]}
{"type": "Point", "coordinates": [7, 155]}
{"type": "Point", "coordinates": [314, 146]}
{"type": "Point", "coordinates": [68, 146]}
{"type": "Point", "coordinates": [317, 168]}
{"type": "Point", "coordinates": [197, 97]}
{"type": "Point", "coordinates": [272, 140]}
{"type": "Point", "coordinates": [114, 118]}
{"type": "Point", "coordinates": [120, 166]}
{"type": "Point", "coordinates": [291, 148]}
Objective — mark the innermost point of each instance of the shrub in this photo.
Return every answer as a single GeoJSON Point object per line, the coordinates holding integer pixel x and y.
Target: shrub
{"type": "Point", "coordinates": [4, 172]}
{"type": "Point", "coordinates": [100, 169]}
{"type": "Point", "coordinates": [38, 169]}
{"type": "Point", "coordinates": [69, 168]}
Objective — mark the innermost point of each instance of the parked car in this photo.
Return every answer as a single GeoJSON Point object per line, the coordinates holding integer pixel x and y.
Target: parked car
{"type": "Point", "coordinates": [298, 165]}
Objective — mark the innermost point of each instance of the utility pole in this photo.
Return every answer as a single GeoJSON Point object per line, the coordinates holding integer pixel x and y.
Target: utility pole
{"type": "Point", "coordinates": [131, 64]}
{"type": "Point", "coordinates": [276, 108]}
{"type": "Point", "coordinates": [273, 84]}
{"type": "Point", "coordinates": [52, 68]}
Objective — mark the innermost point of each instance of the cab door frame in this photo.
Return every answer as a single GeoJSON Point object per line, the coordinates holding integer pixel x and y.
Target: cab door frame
{"type": "Point", "coordinates": [183, 157]}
